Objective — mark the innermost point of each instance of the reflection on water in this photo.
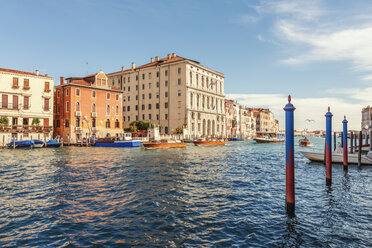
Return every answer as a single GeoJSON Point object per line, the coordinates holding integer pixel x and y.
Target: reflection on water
{"type": "Point", "coordinates": [199, 196]}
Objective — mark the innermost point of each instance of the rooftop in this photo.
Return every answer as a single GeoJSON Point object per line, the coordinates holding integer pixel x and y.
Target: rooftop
{"type": "Point", "coordinates": [24, 73]}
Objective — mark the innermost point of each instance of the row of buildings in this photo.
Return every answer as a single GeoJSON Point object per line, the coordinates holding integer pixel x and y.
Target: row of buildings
{"type": "Point", "coordinates": [178, 95]}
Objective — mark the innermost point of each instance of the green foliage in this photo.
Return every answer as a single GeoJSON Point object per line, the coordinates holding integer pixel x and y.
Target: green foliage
{"type": "Point", "coordinates": [133, 128]}
{"type": "Point", "coordinates": [179, 130]}
{"type": "Point", "coordinates": [4, 121]}
{"type": "Point", "coordinates": [141, 125]}
{"type": "Point", "coordinates": [127, 129]}
{"type": "Point", "coordinates": [35, 121]}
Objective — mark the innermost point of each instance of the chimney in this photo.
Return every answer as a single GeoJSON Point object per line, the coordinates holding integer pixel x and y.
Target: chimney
{"type": "Point", "coordinates": [62, 81]}
{"type": "Point", "coordinates": [37, 72]}
{"type": "Point", "coordinates": [152, 60]}
{"type": "Point", "coordinates": [122, 68]}
{"type": "Point", "coordinates": [157, 58]}
{"type": "Point", "coordinates": [173, 55]}
{"type": "Point", "coordinates": [133, 65]}
{"type": "Point", "coordinates": [169, 56]}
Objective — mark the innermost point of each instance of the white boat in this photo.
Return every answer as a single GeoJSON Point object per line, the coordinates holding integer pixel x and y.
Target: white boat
{"type": "Point", "coordinates": [338, 157]}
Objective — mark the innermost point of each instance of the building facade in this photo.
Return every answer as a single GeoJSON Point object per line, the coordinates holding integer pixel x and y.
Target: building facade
{"type": "Point", "coordinates": [176, 94]}
{"type": "Point", "coordinates": [87, 107]}
{"type": "Point", "coordinates": [26, 106]}
{"type": "Point", "coordinates": [366, 120]}
{"type": "Point", "coordinates": [240, 122]}
{"type": "Point", "coordinates": [265, 121]}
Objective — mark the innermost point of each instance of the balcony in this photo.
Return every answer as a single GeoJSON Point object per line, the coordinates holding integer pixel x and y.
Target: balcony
{"type": "Point", "coordinates": [26, 87]}
{"type": "Point", "coordinates": [10, 106]}
{"type": "Point", "coordinates": [15, 86]}
{"type": "Point", "coordinates": [46, 108]}
{"type": "Point", "coordinates": [94, 129]}
{"type": "Point", "coordinates": [78, 129]}
{"type": "Point", "coordinates": [25, 128]}
{"type": "Point", "coordinates": [94, 114]}
{"type": "Point", "coordinates": [77, 113]}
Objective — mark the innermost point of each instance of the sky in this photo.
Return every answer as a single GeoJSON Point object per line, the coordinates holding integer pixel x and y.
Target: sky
{"type": "Point", "coordinates": [318, 51]}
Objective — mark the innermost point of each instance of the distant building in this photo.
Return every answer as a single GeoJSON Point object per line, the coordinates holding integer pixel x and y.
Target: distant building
{"type": "Point", "coordinates": [265, 121]}
{"type": "Point", "coordinates": [366, 120]}
{"type": "Point", "coordinates": [176, 94]}
{"type": "Point", "coordinates": [26, 105]}
{"type": "Point", "coordinates": [240, 122]}
{"type": "Point", "coordinates": [87, 107]}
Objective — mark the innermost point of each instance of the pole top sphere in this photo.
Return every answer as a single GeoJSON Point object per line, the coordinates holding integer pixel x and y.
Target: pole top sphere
{"type": "Point", "coordinates": [289, 105]}
{"type": "Point", "coordinates": [329, 114]}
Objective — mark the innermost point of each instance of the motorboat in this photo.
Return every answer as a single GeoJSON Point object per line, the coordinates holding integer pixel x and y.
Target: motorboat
{"type": "Point", "coordinates": [21, 144]}
{"type": "Point", "coordinates": [278, 138]}
{"type": "Point", "coordinates": [235, 139]}
{"type": "Point", "coordinates": [164, 144]}
{"type": "Point", "coordinates": [304, 142]}
{"type": "Point", "coordinates": [38, 144]}
{"type": "Point", "coordinates": [209, 142]}
{"type": "Point", "coordinates": [123, 141]}
{"type": "Point", "coordinates": [53, 144]}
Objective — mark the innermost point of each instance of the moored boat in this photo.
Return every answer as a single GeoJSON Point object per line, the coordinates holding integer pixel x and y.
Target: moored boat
{"type": "Point", "coordinates": [38, 144]}
{"type": "Point", "coordinates": [278, 138]}
{"type": "Point", "coordinates": [209, 142]}
{"type": "Point", "coordinates": [120, 143]}
{"type": "Point", "coordinates": [304, 142]}
{"type": "Point", "coordinates": [235, 139]}
{"type": "Point", "coordinates": [164, 144]}
{"type": "Point", "coordinates": [53, 144]}
{"type": "Point", "coordinates": [21, 144]}
{"type": "Point", "coordinates": [338, 157]}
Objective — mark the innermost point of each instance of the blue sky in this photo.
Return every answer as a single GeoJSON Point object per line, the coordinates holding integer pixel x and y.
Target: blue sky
{"type": "Point", "coordinates": [318, 51]}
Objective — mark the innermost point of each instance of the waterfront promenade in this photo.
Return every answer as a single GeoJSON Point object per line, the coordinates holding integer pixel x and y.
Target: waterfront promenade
{"type": "Point", "coordinates": [194, 197]}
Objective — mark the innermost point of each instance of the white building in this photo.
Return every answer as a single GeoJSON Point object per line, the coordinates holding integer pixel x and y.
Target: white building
{"type": "Point", "coordinates": [366, 120]}
{"type": "Point", "coordinates": [26, 106]}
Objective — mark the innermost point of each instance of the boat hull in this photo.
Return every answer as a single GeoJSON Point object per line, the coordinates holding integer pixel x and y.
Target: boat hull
{"type": "Point", "coordinates": [209, 143]}
{"type": "Point", "coordinates": [163, 145]}
{"type": "Point", "coordinates": [336, 157]}
{"type": "Point", "coordinates": [235, 139]}
{"type": "Point", "coordinates": [267, 141]}
{"type": "Point", "coordinates": [135, 143]}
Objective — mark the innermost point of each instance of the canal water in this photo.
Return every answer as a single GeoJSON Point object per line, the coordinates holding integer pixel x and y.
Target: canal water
{"type": "Point", "coordinates": [232, 195]}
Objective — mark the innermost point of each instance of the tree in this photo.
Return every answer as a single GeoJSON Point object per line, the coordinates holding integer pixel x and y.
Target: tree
{"type": "Point", "coordinates": [141, 125]}
{"type": "Point", "coordinates": [35, 121]}
{"type": "Point", "coordinates": [4, 121]}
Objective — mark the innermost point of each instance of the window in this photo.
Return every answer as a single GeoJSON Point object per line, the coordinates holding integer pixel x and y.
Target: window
{"type": "Point", "coordinates": [128, 118]}
{"type": "Point", "coordinates": [149, 106]}
{"type": "Point", "coordinates": [128, 108]}
{"type": "Point", "coordinates": [157, 84]}
{"type": "Point", "coordinates": [166, 83]}
{"type": "Point", "coordinates": [117, 124]}
{"type": "Point", "coordinates": [67, 106]}
{"type": "Point", "coordinates": [136, 107]}
{"type": "Point", "coordinates": [77, 92]}
{"type": "Point", "coordinates": [143, 86]}
{"type": "Point", "coordinates": [46, 87]}
{"type": "Point", "coordinates": [179, 70]}
{"type": "Point", "coordinates": [149, 75]}
{"type": "Point", "coordinates": [123, 118]}
{"type": "Point", "coordinates": [143, 117]}
{"type": "Point", "coordinates": [157, 106]}
{"type": "Point", "coordinates": [128, 98]}
{"type": "Point", "coordinates": [179, 81]}
{"type": "Point", "coordinates": [117, 97]}
{"type": "Point", "coordinates": [46, 104]}
{"type": "Point", "coordinates": [136, 117]}
{"type": "Point", "coordinates": [26, 84]}
{"type": "Point", "coordinates": [143, 96]}
{"type": "Point", "coordinates": [26, 101]}
{"type": "Point", "coordinates": [143, 106]}
{"type": "Point", "coordinates": [129, 79]}
{"type": "Point", "coordinates": [190, 77]}
{"type": "Point", "coordinates": [166, 72]}
{"type": "Point", "coordinates": [77, 106]}
{"type": "Point", "coordinates": [108, 96]}
{"type": "Point", "coordinates": [149, 95]}
{"type": "Point", "coordinates": [15, 102]}
{"type": "Point", "coordinates": [166, 94]}
{"type": "Point", "coordinates": [136, 87]}
{"type": "Point", "coordinates": [157, 117]}
{"type": "Point", "coordinates": [117, 110]}
{"type": "Point", "coordinates": [94, 93]}
{"type": "Point", "coordinates": [179, 92]}
{"type": "Point", "coordinates": [149, 85]}
{"type": "Point", "coordinates": [108, 109]}
{"type": "Point", "coordinates": [149, 116]}
{"type": "Point", "coordinates": [66, 91]}
{"type": "Point", "coordinates": [67, 123]}
{"type": "Point", "coordinates": [58, 93]}
{"type": "Point", "coordinates": [94, 122]}
{"type": "Point", "coordinates": [157, 74]}
{"type": "Point", "coordinates": [143, 76]}
{"type": "Point", "coordinates": [128, 88]}
{"type": "Point", "coordinates": [77, 123]}
{"type": "Point", "coordinates": [157, 95]}
{"type": "Point", "coordinates": [136, 97]}
{"type": "Point", "coordinates": [58, 123]}
{"type": "Point", "coordinates": [113, 81]}
{"type": "Point", "coordinates": [15, 83]}
{"type": "Point", "coordinates": [166, 130]}
{"type": "Point", "coordinates": [166, 105]}
{"type": "Point", "coordinates": [136, 77]}
{"type": "Point", "coordinates": [108, 123]}
{"type": "Point", "coordinates": [124, 88]}
{"type": "Point", "coordinates": [123, 108]}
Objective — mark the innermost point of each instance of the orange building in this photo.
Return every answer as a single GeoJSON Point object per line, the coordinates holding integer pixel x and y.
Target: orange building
{"type": "Point", "coordinates": [87, 107]}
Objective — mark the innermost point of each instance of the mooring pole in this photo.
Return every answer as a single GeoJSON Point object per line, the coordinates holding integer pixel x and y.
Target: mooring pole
{"type": "Point", "coordinates": [334, 143]}
{"type": "Point", "coordinates": [370, 140]}
{"type": "Point", "coordinates": [345, 149]}
{"type": "Point", "coordinates": [351, 142]}
{"type": "Point", "coordinates": [360, 149]}
{"type": "Point", "coordinates": [328, 116]}
{"type": "Point", "coordinates": [342, 139]}
{"type": "Point", "coordinates": [289, 158]}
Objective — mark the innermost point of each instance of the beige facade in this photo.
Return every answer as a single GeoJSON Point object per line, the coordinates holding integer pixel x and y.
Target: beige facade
{"type": "Point", "coordinates": [240, 122]}
{"type": "Point", "coordinates": [179, 95]}
{"type": "Point", "coordinates": [25, 98]}
{"type": "Point", "coordinates": [265, 121]}
{"type": "Point", "coordinates": [366, 120]}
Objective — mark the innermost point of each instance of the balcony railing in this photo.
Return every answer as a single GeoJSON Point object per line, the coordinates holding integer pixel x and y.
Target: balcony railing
{"type": "Point", "coordinates": [46, 108]}
{"type": "Point", "coordinates": [94, 114]}
{"type": "Point", "coordinates": [78, 129]}
{"type": "Point", "coordinates": [10, 106]}
{"type": "Point", "coordinates": [94, 129]}
{"type": "Point", "coordinates": [78, 113]}
{"type": "Point", "coordinates": [25, 128]}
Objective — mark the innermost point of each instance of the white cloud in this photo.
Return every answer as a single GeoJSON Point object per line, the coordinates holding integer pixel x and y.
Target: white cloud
{"type": "Point", "coordinates": [306, 108]}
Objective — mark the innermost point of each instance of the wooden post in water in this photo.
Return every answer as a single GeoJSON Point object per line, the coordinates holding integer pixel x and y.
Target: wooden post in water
{"type": "Point", "coordinates": [334, 143]}
{"type": "Point", "coordinates": [325, 151]}
{"type": "Point", "coordinates": [360, 148]}
{"type": "Point", "coordinates": [351, 142]}
{"type": "Point", "coordinates": [370, 140]}
{"type": "Point", "coordinates": [342, 139]}
{"type": "Point", "coordinates": [355, 142]}
{"type": "Point", "coordinates": [345, 149]}
{"type": "Point", "coordinates": [328, 116]}
{"type": "Point", "coordinates": [289, 158]}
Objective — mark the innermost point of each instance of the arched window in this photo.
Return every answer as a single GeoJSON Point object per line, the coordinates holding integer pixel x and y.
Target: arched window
{"type": "Point", "coordinates": [108, 109]}
{"type": "Point", "coordinates": [77, 106]}
{"type": "Point", "coordinates": [117, 110]}
{"type": "Point", "coordinates": [108, 123]}
{"type": "Point", "coordinates": [191, 102]}
{"type": "Point", "coordinates": [117, 124]}
{"type": "Point", "coordinates": [93, 107]}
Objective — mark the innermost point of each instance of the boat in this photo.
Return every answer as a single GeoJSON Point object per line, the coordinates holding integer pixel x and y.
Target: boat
{"type": "Point", "coordinates": [53, 144]}
{"type": "Point", "coordinates": [304, 142]}
{"type": "Point", "coordinates": [38, 144]}
{"type": "Point", "coordinates": [279, 138]}
{"type": "Point", "coordinates": [338, 156]}
{"type": "Point", "coordinates": [235, 139]}
{"type": "Point", "coordinates": [164, 144]}
{"type": "Point", "coordinates": [209, 142]}
{"type": "Point", "coordinates": [21, 144]}
{"type": "Point", "coordinates": [123, 141]}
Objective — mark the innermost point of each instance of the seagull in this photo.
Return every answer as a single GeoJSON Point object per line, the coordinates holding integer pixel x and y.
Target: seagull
{"type": "Point", "coordinates": [308, 120]}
